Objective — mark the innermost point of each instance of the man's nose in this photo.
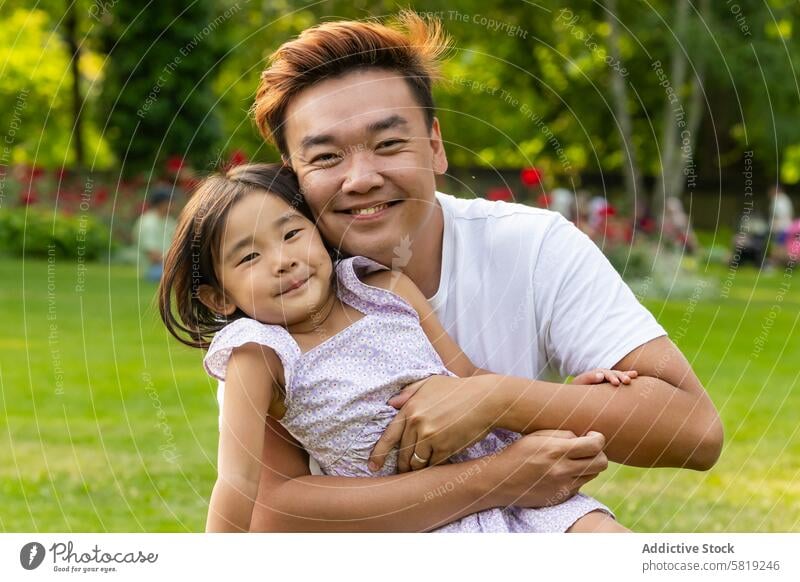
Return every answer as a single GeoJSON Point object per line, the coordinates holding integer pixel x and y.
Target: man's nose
{"type": "Point", "coordinates": [363, 174]}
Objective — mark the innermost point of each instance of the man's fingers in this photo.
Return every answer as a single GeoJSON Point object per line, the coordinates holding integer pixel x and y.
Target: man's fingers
{"type": "Point", "coordinates": [399, 399]}
{"type": "Point", "coordinates": [437, 458]}
{"type": "Point", "coordinates": [595, 466]}
{"type": "Point", "coordinates": [408, 442]}
{"type": "Point", "coordinates": [586, 446]}
{"type": "Point", "coordinates": [421, 451]}
{"type": "Point", "coordinates": [389, 439]}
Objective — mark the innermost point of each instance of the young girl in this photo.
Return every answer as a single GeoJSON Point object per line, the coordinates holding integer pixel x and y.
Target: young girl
{"type": "Point", "coordinates": [321, 348]}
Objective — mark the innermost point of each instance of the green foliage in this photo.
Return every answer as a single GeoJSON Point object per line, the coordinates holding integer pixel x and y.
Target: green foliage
{"type": "Point", "coordinates": [35, 95]}
{"type": "Point", "coordinates": [36, 232]}
{"type": "Point", "coordinates": [527, 83]}
{"type": "Point", "coordinates": [157, 96]}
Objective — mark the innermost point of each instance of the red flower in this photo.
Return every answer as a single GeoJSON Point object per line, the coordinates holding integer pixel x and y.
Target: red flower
{"type": "Point", "coordinates": [500, 193]}
{"type": "Point", "coordinates": [31, 173]}
{"type": "Point", "coordinates": [531, 176]}
{"type": "Point", "coordinates": [174, 164]}
{"type": "Point", "coordinates": [608, 210]}
{"type": "Point", "coordinates": [238, 157]}
{"type": "Point", "coordinates": [29, 197]}
{"type": "Point", "coordinates": [543, 201]}
{"type": "Point", "coordinates": [102, 195]}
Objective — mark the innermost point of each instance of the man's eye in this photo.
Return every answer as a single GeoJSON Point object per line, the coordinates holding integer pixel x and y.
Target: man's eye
{"type": "Point", "coordinates": [247, 258]}
{"type": "Point", "coordinates": [390, 143]}
{"type": "Point", "coordinates": [326, 159]}
{"type": "Point", "coordinates": [291, 233]}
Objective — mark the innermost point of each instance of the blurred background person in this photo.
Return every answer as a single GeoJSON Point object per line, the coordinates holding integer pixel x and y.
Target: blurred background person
{"type": "Point", "coordinates": [781, 216]}
{"type": "Point", "coordinates": [677, 228]}
{"type": "Point", "coordinates": [153, 233]}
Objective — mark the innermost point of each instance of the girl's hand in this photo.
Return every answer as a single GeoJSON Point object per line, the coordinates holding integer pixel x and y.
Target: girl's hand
{"type": "Point", "coordinates": [601, 375]}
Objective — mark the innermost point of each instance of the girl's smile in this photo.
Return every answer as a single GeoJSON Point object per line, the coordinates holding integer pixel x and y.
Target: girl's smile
{"type": "Point", "coordinates": [298, 285]}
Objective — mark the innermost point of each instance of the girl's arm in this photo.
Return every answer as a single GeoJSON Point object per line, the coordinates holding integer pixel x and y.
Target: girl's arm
{"type": "Point", "coordinates": [250, 382]}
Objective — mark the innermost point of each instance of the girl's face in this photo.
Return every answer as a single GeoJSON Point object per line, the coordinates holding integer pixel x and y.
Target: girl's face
{"type": "Point", "coordinates": [272, 263]}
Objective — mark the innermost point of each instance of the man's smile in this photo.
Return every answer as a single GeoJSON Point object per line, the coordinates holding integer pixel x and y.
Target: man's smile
{"type": "Point", "coordinates": [371, 211]}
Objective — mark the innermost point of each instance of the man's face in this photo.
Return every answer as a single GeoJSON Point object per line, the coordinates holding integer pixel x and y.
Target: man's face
{"type": "Point", "coordinates": [365, 160]}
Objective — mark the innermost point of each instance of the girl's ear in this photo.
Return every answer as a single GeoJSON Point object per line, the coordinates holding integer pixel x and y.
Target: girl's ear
{"type": "Point", "coordinates": [215, 300]}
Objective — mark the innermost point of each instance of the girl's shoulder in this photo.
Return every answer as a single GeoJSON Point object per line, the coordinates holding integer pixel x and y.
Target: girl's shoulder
{"type": "Point", "coordinates": [368, 284]}
{"type": "Point", "coordinates": [244, 331]}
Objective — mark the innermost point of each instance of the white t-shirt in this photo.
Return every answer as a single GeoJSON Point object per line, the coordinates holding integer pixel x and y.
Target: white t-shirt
{"type": "Point", "coordinates": [524, 292]}
{"type": "Point", "coordinates": [782, 213]}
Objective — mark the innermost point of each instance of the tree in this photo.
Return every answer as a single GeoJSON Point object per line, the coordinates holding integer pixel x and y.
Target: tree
{"type": "Point", "coordinates": [630, 168]}
{"type": "Point", "coordinates": [157, 94]}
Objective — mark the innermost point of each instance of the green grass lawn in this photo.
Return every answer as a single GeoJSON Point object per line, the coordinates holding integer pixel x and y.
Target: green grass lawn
{"type": "Point", "coordinates": [109, 425]}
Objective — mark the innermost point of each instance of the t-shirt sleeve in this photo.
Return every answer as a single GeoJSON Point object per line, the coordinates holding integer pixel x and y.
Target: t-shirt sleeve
{"type": "Point", "coordinates": [587, 316]}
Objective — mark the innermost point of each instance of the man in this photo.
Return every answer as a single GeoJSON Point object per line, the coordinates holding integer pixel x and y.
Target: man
{"type": "Point", "coordinates": [520, 289]}
{"type": "Point", "coordinates": [153, 233]}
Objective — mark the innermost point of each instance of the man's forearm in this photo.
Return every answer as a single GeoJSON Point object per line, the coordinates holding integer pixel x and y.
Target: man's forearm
{"type": "Point", "coordinates": [411, 502]}
{"type": "Point", "coordinates": [648, 423]}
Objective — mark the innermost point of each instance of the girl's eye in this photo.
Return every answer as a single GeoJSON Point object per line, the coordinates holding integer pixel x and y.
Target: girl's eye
{"type": "Point", "coordinates": [291, 233]}
{"type": "Point", "coordinates": [247, 258]}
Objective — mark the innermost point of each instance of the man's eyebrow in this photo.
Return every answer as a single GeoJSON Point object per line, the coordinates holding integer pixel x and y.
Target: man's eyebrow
{"type": "Point", "coordinates": [387, 123]}
{"type": "Point", "coordinates": [313, 140]}
{"type": "Point", "coordinates": [394, 120]}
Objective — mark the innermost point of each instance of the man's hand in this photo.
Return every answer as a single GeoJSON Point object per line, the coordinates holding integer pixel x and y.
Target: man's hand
{"type": "Point", "coordinates": [438, 417]}
{"type": "Point", "coordinates": [546, 467]}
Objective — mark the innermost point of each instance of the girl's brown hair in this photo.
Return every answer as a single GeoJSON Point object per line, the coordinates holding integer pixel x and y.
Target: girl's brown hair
{"type": "Point", "coordinates": [410, 45]}
{"type": "Point", "coordinates": [190, 260]}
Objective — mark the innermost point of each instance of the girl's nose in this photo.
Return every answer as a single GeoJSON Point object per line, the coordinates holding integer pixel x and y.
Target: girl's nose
{"type": "Point", "coordinates": [285, 265]}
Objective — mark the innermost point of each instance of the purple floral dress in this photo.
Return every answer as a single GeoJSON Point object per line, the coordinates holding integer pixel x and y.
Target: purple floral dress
{"type": "Point", "coordinates": [337, 393]}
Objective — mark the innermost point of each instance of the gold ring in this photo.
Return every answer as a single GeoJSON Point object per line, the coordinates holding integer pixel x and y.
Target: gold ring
{"type": "Point", "coordinates": [419, 459]}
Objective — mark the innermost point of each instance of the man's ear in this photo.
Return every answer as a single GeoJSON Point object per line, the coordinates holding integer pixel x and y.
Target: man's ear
{"type": "Point", "coordinates": [439, 155]}
{"type": "Point", "coordinates": [215, 300]}
{"type": "Point", "coordinates": [287, 161]}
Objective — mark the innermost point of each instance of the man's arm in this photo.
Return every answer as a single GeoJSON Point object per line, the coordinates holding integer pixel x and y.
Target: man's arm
{"type": "Point", "coordinates": [289, 499]}
{"type": "Point", "coordinates": [664, 418]}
